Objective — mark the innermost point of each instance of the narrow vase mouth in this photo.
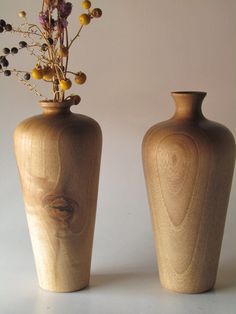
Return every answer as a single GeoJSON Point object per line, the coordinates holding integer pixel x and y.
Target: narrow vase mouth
{"type": "Point", "coordinates": [188, 104]}
{"type": "Point", "coordinates": [189, 93]}
{"type": "Point", "coordinates": [49, 104]}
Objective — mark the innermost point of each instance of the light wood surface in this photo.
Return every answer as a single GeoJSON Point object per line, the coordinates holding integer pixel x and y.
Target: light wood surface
{"type": "Point", "coordinates": [188, 164]}
{"type": "Point", "coordinates": [58, 156]}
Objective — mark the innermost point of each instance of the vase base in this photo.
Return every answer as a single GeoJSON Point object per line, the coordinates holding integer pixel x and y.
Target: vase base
{"type": "Point", "coordinates": [189, 290]}
{"type": "Point", "coordinates": [65, 290]}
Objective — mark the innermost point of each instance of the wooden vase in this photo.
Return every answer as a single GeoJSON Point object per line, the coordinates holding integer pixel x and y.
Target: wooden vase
{"type": "Point", "coordinates": [188, 165]}
{"type": "Point", "coordinates": [58, 156]}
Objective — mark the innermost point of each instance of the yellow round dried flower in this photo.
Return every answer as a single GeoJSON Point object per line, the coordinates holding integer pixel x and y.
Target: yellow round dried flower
{"type": "Point", "coordinates": [48, 73]}
{"type": "Point", "coordinates": [37, 73]}
{"type": "Point", "coordinates": [63, 52]}
{"type": "Point", "coordinates": [86, 4]}
{"type": "Point", "coordinates": [84, 19]}
{"type": "Point", "coordinates": [65, 84]}
{"type": "Point", "coordinates": [80, 78]}
{"type": "Point", "coordinates": [22, 14]}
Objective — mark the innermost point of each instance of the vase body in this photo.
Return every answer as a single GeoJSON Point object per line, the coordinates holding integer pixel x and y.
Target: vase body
{"type": "Point", "coordinates": [58, 156]}
{"type": "Point", "coordinates": [188, 164]}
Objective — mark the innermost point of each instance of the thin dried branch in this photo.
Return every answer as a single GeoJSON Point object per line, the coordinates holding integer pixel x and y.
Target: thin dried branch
{"type": "Point", "coordinates": [31, 87]}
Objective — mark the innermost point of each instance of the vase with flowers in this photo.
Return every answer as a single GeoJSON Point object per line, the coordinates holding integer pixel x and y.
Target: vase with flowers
{"type": "Point", "coordinates": [58, 152]}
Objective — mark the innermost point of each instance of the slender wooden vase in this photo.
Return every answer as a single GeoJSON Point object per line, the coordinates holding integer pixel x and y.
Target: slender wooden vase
{"type": "Point", "coordinates": [58, 157]}
{"type": "Point", "coordinates": [188, 165]}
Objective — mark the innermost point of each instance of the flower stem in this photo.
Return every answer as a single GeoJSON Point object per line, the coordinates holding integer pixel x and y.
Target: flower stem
{"type": "Point", "coordinates": [76, 36]}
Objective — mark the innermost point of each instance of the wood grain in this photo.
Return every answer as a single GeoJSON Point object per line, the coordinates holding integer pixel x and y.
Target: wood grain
{"type": "Point", "coordinates": [188, 165]}
{"type": "Point", "coordinates": [58, 156]}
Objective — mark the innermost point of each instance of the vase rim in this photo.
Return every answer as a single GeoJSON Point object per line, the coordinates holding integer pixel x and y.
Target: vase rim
{"type": "Point", "coordinates": [200, 93]}
{"type": "Point", "coordinates": [54, 107]}
{"type": "Point", "coordinates": [56, 104]}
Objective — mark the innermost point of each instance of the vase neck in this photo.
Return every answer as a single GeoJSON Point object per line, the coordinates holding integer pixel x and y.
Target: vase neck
{"type": "Point", "coordinates": [52, 108]}
{"type": "Point", "coordinates": [188, 105]}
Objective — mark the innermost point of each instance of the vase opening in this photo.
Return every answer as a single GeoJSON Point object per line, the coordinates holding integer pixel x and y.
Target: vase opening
{"type": "Point", "coordinates": [54, 107]}
{"type": "Point", "coordinates": [189, 93]}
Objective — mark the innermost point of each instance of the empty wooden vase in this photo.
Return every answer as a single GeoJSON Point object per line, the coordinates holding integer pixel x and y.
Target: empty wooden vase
{"type": "Point", "coordinates": [58, 156]}
{"type": "Point", "coordinates": [188, 165]}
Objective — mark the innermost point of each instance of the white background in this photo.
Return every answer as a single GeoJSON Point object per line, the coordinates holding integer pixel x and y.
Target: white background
{"type": "Point", "coordinates": [134, 56]}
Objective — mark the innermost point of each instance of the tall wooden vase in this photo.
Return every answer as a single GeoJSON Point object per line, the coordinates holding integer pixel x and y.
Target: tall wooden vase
{"type": "Point", "coordinates": [188, 164]}
{"type": "Point", "coordinates": [58, 157]}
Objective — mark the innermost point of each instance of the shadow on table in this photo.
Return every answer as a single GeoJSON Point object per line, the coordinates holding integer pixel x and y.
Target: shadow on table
{"type": "Point", "coordinates": [226, 278]}
{"type": "Point", "coordinates": [129, 280]}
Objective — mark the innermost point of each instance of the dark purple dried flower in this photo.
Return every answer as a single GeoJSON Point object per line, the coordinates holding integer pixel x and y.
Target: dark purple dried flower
{"type": "Point", "coordinates": [64, 22]}
{"type": "Point", "coordinates": [65, 9]}
{"type": "Point", "coordinates": [44, 20]}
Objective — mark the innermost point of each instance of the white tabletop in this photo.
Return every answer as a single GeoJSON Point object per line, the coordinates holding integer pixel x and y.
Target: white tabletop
{"type": "Point", "coordinates": [123, 280]}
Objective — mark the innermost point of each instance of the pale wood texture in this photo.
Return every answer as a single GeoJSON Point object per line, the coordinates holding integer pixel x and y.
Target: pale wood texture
{"type": "Point", "coordinates": [188, 164]}
{"type": "Point", "coordinates": [58, 156]}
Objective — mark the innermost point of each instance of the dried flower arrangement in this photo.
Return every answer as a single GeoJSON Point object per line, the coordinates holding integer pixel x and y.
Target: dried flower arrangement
{"type": "Point", "coordinates": [49, 43]}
